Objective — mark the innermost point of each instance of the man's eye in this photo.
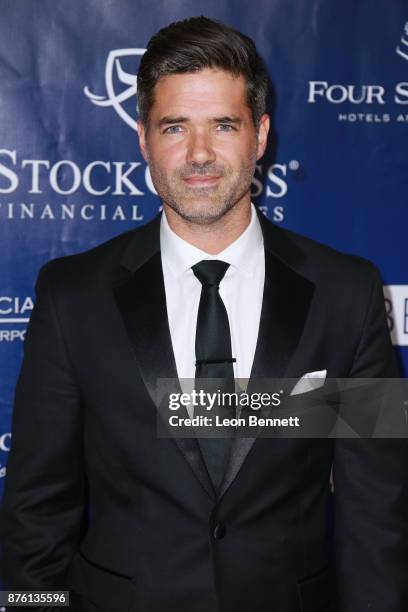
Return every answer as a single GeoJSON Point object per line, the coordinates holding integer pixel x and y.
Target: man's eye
{"type": "Point", "coordinates": [225, 127]}
{"type": "Point", "coordinates": [173, 129]}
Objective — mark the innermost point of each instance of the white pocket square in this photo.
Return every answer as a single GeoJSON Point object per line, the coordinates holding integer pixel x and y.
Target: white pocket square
{"type": "Point", "coordinates": [309, 382]}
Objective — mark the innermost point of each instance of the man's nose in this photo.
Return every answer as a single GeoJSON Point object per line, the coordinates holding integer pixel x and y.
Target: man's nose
{"type": "Point", "coordinates": [200, 149]}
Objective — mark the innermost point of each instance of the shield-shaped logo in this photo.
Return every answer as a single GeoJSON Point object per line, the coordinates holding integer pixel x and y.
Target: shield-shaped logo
{"type": "Point", "coordinates": [114, 68]}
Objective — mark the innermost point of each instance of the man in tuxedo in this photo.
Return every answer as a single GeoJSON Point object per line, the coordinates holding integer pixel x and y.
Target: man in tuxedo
{"type": "Point", "coordinates": [97, 503]}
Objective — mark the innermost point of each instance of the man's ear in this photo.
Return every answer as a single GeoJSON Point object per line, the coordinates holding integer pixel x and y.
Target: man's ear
{"type": "Point", "coordinates": [263, 130]}
{"type": "Point", "coordinates": [141, 130]}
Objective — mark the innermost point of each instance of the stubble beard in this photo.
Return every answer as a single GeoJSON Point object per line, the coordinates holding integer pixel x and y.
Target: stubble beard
{"type": "Point", "coordinates": [203, 205]}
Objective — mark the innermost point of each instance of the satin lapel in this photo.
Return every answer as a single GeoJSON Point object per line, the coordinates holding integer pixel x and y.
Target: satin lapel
{"type": "Point", "coordinates": [286, 301]}
{"type": "Point", "coordinates": [141, 301]}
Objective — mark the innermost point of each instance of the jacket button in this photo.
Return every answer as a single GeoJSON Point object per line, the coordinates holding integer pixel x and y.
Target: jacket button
{"type": "Point", "coordinates": [219, 531]}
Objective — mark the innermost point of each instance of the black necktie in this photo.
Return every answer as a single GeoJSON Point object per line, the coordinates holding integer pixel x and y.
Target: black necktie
{"type": "Point", "coordinates": [214, 358]}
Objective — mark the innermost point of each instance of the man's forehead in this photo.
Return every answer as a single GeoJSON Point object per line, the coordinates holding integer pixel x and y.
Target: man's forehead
{"type": "Point", "coordinates": [209, 90]}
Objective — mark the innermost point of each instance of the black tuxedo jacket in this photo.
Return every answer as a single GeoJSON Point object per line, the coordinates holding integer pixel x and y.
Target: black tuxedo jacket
{"type": "Point", "coordinates": [96, 503]}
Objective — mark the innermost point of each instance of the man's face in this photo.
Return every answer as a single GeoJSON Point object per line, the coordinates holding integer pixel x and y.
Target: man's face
{"type": "Point", "coordinates": [201, 144]}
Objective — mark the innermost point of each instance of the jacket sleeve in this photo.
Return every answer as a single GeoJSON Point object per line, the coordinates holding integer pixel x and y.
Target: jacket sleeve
{"type": "Point", "coordinates": [371, 489]}
{"type": "Point", "coordinates": [42, 515]}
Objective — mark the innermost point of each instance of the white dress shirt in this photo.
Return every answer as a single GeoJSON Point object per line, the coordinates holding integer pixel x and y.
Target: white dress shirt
{"type": "Point", "coordinates": [241, 290]}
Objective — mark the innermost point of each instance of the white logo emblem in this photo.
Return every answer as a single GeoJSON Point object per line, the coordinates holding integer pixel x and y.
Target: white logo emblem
{"type": "Point", "coordinates": [402, 48]}
{"type": "Point", "coordinates": [129, 79]}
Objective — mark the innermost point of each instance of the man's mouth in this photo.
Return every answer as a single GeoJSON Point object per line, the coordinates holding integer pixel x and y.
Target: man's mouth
{"type": "Point", "coordinates": [206, 180]}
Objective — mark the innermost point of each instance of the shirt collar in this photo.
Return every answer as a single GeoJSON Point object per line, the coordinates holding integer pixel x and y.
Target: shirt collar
{"type": "Point", "coordinates": [241, 254]}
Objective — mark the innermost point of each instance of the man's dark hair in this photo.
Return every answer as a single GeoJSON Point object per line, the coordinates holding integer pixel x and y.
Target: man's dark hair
{"type": "Point", "coordinates": [197, 43]}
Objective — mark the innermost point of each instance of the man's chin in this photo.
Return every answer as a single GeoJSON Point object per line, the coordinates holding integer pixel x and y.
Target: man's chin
{"type": "Point", "coordinates": [201, 217]}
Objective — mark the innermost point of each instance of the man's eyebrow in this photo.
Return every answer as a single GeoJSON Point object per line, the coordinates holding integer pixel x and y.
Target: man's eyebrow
{"type": "Point", "coordinates": [168, 119]}
{"type": "Point", "coordinates": [227, 119]}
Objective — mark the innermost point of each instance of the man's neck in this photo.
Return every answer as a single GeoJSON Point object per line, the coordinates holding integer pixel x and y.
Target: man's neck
{"type": "Point", "coordinates": [217, 236]}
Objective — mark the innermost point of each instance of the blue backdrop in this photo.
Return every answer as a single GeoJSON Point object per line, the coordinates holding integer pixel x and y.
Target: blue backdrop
{"type": "Point", "coordinates": [71, 175]}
